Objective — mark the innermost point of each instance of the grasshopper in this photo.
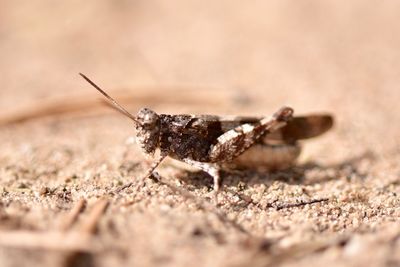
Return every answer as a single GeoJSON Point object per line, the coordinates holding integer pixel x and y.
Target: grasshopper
{"type": "Point", "coordinates": [208, 142]}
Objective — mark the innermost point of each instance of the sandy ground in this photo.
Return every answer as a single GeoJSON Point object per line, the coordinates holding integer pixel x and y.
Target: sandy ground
{"type": "Point", "coordinates": [216, 57]}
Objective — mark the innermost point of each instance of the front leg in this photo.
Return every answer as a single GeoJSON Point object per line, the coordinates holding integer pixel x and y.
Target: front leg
{"type": "Point", "coordinates": [234, 142]}
{"type": "Point", "coordinates": [210, 168]}
{"type": "Point", "coordinates": [146, 175]}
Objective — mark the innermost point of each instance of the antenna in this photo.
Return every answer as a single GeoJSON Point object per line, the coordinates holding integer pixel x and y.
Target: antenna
{"type": "Point", "coordinates": [114, 103]}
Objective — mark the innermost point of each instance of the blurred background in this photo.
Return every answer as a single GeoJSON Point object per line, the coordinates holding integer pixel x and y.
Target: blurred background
{"type": "Point", "coordinates": [221, 57]}
{"type": "Point", "coordinates": [303, 50]}
{"type": "Point", "coordinates": [225, 57]}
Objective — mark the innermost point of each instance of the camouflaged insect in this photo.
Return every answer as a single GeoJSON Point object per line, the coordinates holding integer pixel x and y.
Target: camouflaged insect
{"type": "Point", "coordinates": [207, 142]}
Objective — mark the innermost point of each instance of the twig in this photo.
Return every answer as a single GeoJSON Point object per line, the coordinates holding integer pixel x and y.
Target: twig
{"type": "Point", "coordinates": [302, 203]}
{"type": "Point", "coordinates": [45, 240]}
{"type": "Point", "coordinates": [122, 188]}
{"type": "Point", "coordinates": [84, 102]}
{"type": "Point", "coordinates": [86, 231]}
{"type": "Point", "coordinates": [89, 226]}
{"type": "Point", "coordinates": [72, 216]}
{"type": "Point", "coordinates": [64, 239]}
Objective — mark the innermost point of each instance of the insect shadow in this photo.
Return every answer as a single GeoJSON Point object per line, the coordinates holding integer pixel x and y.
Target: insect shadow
{"type": "Point", "coordinates": [309, 173]}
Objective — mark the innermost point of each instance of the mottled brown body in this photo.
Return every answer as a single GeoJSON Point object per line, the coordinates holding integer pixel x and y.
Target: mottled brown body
{"type": "Point", "coordinates": [191, 136]}
{"type": "Point", "coordinates": [207, 141]}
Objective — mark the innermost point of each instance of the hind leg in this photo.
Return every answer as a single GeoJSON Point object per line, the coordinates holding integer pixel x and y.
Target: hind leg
{"type": "Point", "coordinates": [236, 141]}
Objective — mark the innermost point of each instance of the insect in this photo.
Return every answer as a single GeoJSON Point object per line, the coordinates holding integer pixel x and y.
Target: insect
{"type": "Point", "coordinates": [208, 142]}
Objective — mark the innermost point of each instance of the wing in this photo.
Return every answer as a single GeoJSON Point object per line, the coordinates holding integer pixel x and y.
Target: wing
{"type": "Point", "coordinates": [205, 126]}
{"type": "Point", "coordinates": [298, 128]}
{"type": "Point", "coordinates": [303, 127]}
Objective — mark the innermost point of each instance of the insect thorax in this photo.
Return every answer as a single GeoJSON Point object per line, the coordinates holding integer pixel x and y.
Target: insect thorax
{"type": "Point", "coordinates": [186, 137]}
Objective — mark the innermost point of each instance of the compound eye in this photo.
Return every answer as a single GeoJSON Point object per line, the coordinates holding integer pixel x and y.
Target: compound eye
{"type": "Point", "coordinates": [147, 117]}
